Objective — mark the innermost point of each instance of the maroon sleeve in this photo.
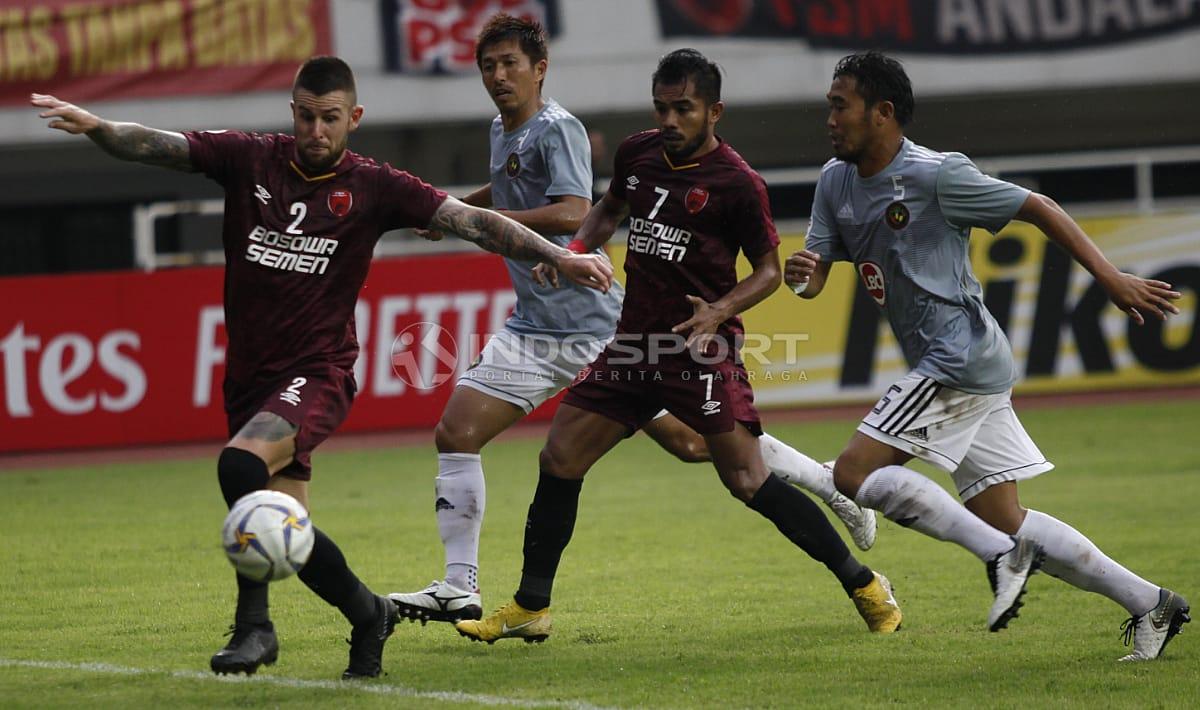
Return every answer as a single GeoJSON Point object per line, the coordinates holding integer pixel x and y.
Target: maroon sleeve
{"type": "Point", "coordinates": [222, 154]}
{"type": "Point", "coordinates": [751, 218]}
{"type": "Point", "coordinates": [406, 200]}
{"type": "Point", "coordinates": [625, 151]}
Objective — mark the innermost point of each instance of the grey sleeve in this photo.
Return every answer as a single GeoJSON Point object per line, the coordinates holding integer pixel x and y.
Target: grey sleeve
{"type": "Point", "coordinates": [823, 237]}
{"type": "Point", "coordinates": [969, 198]}
{"type": "Point", "coordinates": [568, 156]}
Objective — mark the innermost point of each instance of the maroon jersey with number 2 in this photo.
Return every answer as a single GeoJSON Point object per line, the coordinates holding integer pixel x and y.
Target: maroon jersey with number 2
{"type": "Point", "coordinates": [687, 224]}
{"type": "Point", "coordinates": [297, 246]}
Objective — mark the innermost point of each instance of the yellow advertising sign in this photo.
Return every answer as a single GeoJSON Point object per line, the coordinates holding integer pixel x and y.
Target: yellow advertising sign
{"type": "Point", "coordinates": [1066, 335]}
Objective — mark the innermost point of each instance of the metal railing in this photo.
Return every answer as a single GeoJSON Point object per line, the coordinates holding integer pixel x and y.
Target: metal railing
{"type": "Point", "coordinates": [401, 242]}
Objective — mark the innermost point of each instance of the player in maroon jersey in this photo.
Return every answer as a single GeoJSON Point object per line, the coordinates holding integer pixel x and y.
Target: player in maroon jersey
{"type": "Point", "coordinates": [302, 216]}
{"type": "Point", "coordinates": [693, 203]}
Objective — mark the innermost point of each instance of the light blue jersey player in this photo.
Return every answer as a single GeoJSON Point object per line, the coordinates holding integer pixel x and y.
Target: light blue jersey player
{"type": "Point", "coordinates": [541, 176]}
{"type": "Point", "coordinates": [903, 214]}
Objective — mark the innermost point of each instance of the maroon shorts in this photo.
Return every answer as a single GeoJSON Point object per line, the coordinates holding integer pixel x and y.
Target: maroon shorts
{"type": "Point", "coordinates": [314, 400]}
{"type": "Point", "coordinates": [710, 399]}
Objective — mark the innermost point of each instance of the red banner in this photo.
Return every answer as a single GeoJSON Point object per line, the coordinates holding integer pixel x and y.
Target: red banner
{"type": "Point", "coordinates": [132, 358]}
{"type": "Point", "coordinates": [118, 49]}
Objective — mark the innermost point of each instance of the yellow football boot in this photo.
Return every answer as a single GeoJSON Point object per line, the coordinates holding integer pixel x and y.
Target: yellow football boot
{"type": "Point", "coordinates": [509, 621]}
{"type": "Point", "coordinates": [877, 605]}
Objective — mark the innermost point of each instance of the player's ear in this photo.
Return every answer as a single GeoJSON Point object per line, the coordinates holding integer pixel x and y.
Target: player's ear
{"type": "Point", "coordinates": [715, 111]}
{"type": "Point", "coordinates": [356, 114]}
{"type": "Point", "coordinates": [885, 110]}
{"type": "Point", "coordinates": [539, 71]}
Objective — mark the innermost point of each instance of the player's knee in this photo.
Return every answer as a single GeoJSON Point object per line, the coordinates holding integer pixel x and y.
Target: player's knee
{"type": "Point", "coordinates": [455, 438]}
{"type": "Point", "coordinates": [557, 461]}
{"type": "Point", "coordinates": [743, 483]}
{"type": "Point", "coordinates": [691, 450]}
{"type": "Point", "coordinates": [849, 474]}
{"type": "Point", "coordinates": [240, 472]}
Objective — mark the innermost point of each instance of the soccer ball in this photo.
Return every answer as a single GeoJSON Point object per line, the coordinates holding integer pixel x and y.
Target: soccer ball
{"type": "Point", "coordinates": [267, 536]}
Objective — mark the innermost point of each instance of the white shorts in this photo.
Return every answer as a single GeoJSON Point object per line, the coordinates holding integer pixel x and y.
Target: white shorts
{"type": "Point", "coordinates": [526, 370]}
{"type": "Point", "coordinates": [976, 438]}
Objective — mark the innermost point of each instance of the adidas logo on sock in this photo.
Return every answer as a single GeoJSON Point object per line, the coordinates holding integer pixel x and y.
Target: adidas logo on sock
{"type": "Point", "coordinates": [442, 504]}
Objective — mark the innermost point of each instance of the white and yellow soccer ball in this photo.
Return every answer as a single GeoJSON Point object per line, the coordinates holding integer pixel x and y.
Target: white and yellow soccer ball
{"type": "Point", "coordinates": [267, 536]}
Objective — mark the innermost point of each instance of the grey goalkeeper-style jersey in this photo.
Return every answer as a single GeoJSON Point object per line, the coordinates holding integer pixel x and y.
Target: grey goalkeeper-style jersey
{"type": "Point", "coordinates": [548, 156]}
{"type": "Point", "coordinates": [906, 230]}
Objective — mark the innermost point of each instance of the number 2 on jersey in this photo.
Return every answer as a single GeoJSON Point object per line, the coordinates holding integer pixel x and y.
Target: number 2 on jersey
{"type": "Point", "coordinates": [301, 211]}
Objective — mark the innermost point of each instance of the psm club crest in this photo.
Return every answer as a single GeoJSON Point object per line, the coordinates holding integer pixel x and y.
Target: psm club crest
{"type": "Point", "coordinates": [340, 202]}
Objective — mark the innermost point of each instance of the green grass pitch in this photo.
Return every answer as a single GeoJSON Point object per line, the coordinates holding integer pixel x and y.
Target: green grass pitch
{"type": "Point", "coordinates": [114, 591]}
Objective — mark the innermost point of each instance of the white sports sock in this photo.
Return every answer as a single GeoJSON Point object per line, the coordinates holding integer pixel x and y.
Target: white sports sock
{"type": "Point", "coordinates": [796, 468]}
{"type": "Point", "coordinates": [912, 500]}
{"type": "Point", "coordinates": [460, 503]}
{"type": "Point", "coordinates": [1077, 561]}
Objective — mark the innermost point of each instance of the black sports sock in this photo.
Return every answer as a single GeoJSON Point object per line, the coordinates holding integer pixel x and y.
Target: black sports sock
{"type": "Point", "coordinates": [327, 574]}
{"type": "Point", "coordinates": [251, 603]}
{"type": "Point", "coordinates": [240, 472]}
{"type": "Point", "coordinates": [548, 529]}
{"type": "Point", "coordinates": [802, 522]}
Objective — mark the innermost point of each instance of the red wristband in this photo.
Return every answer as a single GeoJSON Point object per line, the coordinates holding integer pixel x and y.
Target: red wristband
{"type": "Point", "coordinates": [577, 246]}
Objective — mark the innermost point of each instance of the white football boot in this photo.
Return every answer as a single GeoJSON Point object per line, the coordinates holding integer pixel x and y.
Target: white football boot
{"type": "Point", "coordinates": [859, 521]}
{"type": "Point", "coordinates": [1151, 631]}
{"type": "Point", "coordinates": [1008, 572]}
{"type": "Point", "coordinates": [440, 601]}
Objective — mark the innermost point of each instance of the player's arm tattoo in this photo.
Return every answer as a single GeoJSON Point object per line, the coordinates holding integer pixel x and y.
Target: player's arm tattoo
{"type": "Point", "coordinates": [494, 232]}
{"type": "Point", "coordinates": [132, 141]}
{"type": "Point", "coordinates": [268, 426]}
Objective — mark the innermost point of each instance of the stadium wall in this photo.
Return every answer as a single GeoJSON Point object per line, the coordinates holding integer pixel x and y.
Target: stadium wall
{"type": "Point", "coordinates": [137, 358]}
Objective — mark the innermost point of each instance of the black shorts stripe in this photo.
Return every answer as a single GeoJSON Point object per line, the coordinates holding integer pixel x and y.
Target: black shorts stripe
{"type": "Point", "coordinates": [912, 400]}
{"type": "Point", "coordinates": [883, 426]}
{"type": "Point", "coordinates": [918, 408]}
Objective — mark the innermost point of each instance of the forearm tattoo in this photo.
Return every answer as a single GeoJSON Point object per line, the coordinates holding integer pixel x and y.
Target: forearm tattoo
{"type": "Point", "coordinates": [494, 233]}
{"type": "Point", "coordinates": [131, 141]}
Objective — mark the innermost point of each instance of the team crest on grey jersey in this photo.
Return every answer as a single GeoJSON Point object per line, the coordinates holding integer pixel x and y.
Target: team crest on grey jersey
{"type": "Point", "coordinates": [896, 215]}
{"type": "Point", "coordinates": [512, 167]}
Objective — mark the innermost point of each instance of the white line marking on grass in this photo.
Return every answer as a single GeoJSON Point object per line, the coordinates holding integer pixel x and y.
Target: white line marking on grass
{"type": "Point", "coordinates": [449, 696]}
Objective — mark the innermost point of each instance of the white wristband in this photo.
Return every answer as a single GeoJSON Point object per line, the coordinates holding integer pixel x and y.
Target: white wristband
{"type": "Point", "coordinates": [799, 288]}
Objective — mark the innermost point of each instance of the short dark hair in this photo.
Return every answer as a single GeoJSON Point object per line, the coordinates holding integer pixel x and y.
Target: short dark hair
{"type": "Point", "coordinates": [683, 64]}
{"type": "Point", "coordinates": [879, 78]}
{"type": "Point", "coordinates": [502, 26]}
{"type": "Point", "coordinates": [322, 75]}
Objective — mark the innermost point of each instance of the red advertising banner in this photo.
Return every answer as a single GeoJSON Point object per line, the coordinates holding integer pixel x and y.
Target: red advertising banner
{"type": "Point", "coordinates": [118, 49]}
{"type": "Point", "coordinates": [138, 358]}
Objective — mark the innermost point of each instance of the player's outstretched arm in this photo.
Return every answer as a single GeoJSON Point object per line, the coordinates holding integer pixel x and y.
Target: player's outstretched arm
{"type": "Point", "coordinates": [496, 233]}
{"type": "Point", "coordinates": [1132, 294]}
{"type": "Point", "coordinates": [805, 273]}
{"type": "Point", "coordinates": [127, 141]}
{"type": "Point", "coordinates": [747, 293]}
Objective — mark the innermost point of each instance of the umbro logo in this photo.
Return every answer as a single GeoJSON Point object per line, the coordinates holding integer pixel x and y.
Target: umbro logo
{"type": "Point", "coordinates": [845, 212]}
{"type": "Point", "coordinates": [631, 182]}
{"type": "Point", "coordinates": [262, 194]}
{"type": "Point", "coordinates": [711, 407]}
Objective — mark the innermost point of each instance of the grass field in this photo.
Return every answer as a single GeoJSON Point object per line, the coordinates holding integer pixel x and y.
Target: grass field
{"type": "Point", "coordinates": [114, 591]}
